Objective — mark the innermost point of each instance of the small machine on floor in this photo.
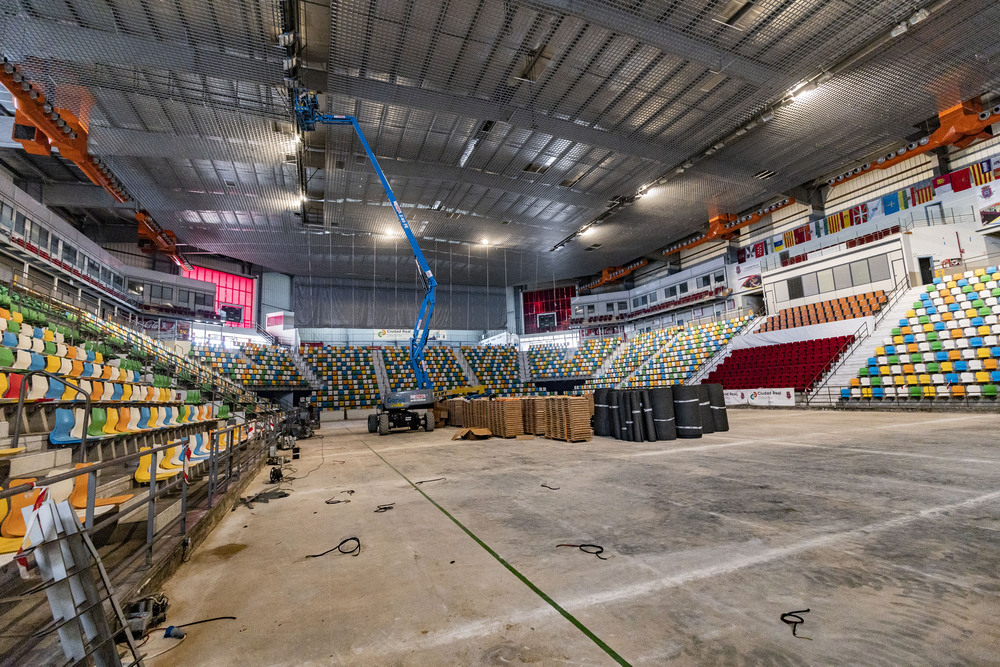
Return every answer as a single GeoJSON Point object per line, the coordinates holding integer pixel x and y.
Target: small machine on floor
{"type": "Point", "coordinates": [398, 410]}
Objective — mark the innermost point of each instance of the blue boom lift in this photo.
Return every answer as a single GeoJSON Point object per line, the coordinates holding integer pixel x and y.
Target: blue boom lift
{"type": "Point", "coordinates": [397, 408]}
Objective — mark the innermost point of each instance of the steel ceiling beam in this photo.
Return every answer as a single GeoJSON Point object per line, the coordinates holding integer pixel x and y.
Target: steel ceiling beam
{"type": "Point", "coordinates": [419, 98]}
{"type": "Point", "coordinates": [663, 37]}
{"type": "Point", "coordinates": [24, 37]}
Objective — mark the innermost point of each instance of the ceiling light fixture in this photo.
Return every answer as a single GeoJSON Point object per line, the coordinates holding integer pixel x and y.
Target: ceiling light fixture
{"type": "Point", "coordinates": [485, 241]}
{"type": "Point", "coordinates": [586, 231]}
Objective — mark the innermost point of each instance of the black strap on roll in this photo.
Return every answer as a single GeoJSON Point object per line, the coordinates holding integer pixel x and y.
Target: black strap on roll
{"type": "Point", "coordinates": [614, 422]}
{"type": "Point", "coordinates": [663, 413]}
{"type": "Point", "coordinates": [705, 409]}
{"type": "Point", "coordinates": [601, 412]}
{"type": "Point", "coordinates": [717, 401]}
{"type": "Point", "coordinates": [649, 428]}
{"type": "Point", "coordinates": [625, 413]}
{"type": "Point", "coordinates": [687, 411]}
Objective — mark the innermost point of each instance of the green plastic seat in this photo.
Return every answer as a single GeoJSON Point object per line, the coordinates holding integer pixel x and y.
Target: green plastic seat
{"type": "Point", "coordinates": [914, 392]}
{"type": "Point", "coordinates": [936, 346]}
{"type": "Point", "coordinates": [990, 390]}
{"type": "Point", "coordinates": [876, 381]}
{"type": "Point", "coordinates": [984, 312]}
{"type": "Point", "coordinates": [863, 372]}
{"type": "Point", "coordinates": [6, 357]}
{"type": "Point", "coordinates": [918, 304]}
{"type": "Point", "coordinates": [14, 327]}
{"type": "Point", "coordinates": [932, 336]}
{"type": "Point", "coordinates": [897, 331]}
{"type": "Point", "coordinates": [978, 303]}
{"type": "Point", "coordinates": [98, 418]}
{"type": "Point", "coordinates": [923, 319]}
{"type": "Point", "coordinates": [934, 367]}
{"type": "Point", "coordinates": [893, 360]}
{"type": "Point", "coordinates": [50, 348]}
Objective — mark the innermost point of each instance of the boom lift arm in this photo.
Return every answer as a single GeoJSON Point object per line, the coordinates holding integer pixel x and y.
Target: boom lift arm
{"type": "Point", "coordinates": [307, 115]}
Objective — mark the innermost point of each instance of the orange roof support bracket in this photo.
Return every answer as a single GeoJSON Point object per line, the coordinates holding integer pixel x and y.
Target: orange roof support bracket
{"type": "Point", "coordinates": [961, 125]}
{"type": "Point", "coordinates": [154, 238]}
{"type": "Point", "coordinates": [615, 273]}
{"type": "Point", "coordinates": [62, 130]}
{"type": "Point", "coordinates": [724, 225]}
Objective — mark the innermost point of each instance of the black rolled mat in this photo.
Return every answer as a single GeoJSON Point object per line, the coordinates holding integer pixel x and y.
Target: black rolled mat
{"type": "Point", "coordinates": [637, 428]}
{"type": "Point", "coordinates": [614, 423]}
{"type": "Point", "coordinates": [663, 413]}
{"type": "Point", "coordinates": [601, 412]}
{"type": "Point", "coordinates": [648, 426]}
{"type": "Point", "coordinates": [687, 411]}
{"type": "Point", "coordinates": [705, 408]}
{"type": "Point", "coordinates": [625, 416]}
{"type": "Point", "coordinates": [717, 401]}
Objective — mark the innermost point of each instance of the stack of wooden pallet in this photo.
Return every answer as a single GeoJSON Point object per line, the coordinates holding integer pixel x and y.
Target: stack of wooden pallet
{"type": "Point", "coordinates": [533, 415]}
{"type": "Point", "coordinates": [456, 410]}
{"type": "Point", "coordinates": [567, 418]}
{"type": "Point", "coordinates": [505, 417]}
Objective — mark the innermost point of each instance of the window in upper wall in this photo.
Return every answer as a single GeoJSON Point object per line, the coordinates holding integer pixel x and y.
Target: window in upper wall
{"type": "Point", "coordinates": [135, 287]}
{"type": "Point", "coordinates": [635, 302]}
{"type": "Point", "coordinates": [118, 281]}
{"type": "Point", "coordinates": [643, 300]}
{"type": "Point", "coordinates": [54, 245]}
{"type": "Point", "coordinates": [6, 215]}
{"type": "Point", "coordinates": [623, 305]}
{"type": "Point", "coordinates": [69, 254]}
{"type": "Point", "coordinates": [39, 236]}
{"type": "Point", "coordinates": [204, 300]}
{"type": "Point", "coordinates": [842, 276]}
{"type": "Point", "coordinates": [795, 287]}
{"type": "Point", "coordinates": [105, 275]}
{"type": "Point", "coordinates": [825, 280]}
{"type": "Point", "coordinates": [720, 277]}
{"type": "Point", "coordinates": [810, 285]}
{"type": "Point", "coordinates": [683, 288]}
{"type": "Point", "coordinates": [93, 269]}
{"type": "Point", "coordinates": [591, 309]}
{"type": "Point", "coordinates": [671, 291]}
{"type": "Point", "coordinates": [859, 272]}
{"type": "Point", "coordinates": [652, 297]}
{"type": "Point", "coordinates": [878, 267]}
{"type": "Point", "coordinates": [19, 223]}
{"type": "Point", "coordinates": [609, 307]}
{"type": "Point", "coordinates": [183, 297]}
{"type": "Point", "coordinates": [703, 281]}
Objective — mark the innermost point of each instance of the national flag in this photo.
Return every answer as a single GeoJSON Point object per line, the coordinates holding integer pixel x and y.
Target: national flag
{"type": "Point", "coordinates": [874, 209]}
{"type": "Point", "coordinates": [895, 202]}
{"type": "Point", "coordinates": [802, 234]}
{"type": "Point", "coordinates": [759, 249]}
{"type": "Point", "coordinates": [789, 237]}
{"type": "Point", "coordinates": [982, 172]}
{"type": "Point", "coordinates": [922, 195]}
{"type": "Point", "coordinates": [941, 181]}
{"type": "Point", "coordinates": [961, 180]}
{"type": "Point", "coordinates": [741, 255]}
{"type": "Point", "coordinates": [834, 223]}
{"type": "Point", "coordinates": [859, 214]}
{"type": "Point", "coordinates": [778, 244]}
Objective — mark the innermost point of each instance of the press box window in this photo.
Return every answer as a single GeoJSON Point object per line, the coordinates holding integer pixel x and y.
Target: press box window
{"type": "Point", "coordinates": [703, 281]}
{"type": "Point", "coordinates": [683, 288]}
{"type": "Point", "coordinates": [671, 291]}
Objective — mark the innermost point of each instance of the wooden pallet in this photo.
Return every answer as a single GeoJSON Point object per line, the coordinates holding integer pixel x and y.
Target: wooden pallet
{"type": "Point", "coordinates": [567, 418]}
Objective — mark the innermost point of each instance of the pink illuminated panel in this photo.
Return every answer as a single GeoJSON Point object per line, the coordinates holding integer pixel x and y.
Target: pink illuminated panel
{"type": "Point", "coordinates": [230, 289]}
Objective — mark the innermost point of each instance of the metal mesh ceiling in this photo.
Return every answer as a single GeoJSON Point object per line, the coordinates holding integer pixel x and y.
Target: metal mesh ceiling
{"type": "Point", "coordinates": [511, 121]}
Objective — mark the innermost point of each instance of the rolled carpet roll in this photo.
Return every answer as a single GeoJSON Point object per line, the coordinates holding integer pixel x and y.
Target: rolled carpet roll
{"type": "Point", "coordinates": [717, 400]}
{"type": "Point", "coordinates": [687, 411]}
{"type": "Point", "coordinates": [601, 412]}
{"type": "Point", "coordinates": [625, 416]}
{"type": "Point", "coordinates": [636, 403]}
{"type": "Point", "coordinates": [663, 413]}
{"type": "Point", "coordinates": [648, 426]}
{"type": "Point", "coordinates": [614, 423]}
{"type": "Point", "coordinates": [705, 407]}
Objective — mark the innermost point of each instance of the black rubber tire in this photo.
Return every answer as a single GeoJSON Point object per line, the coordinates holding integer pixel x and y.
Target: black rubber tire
{"type": "Point", "coordinates": [383, 424]}
{"type": "Point", "coordinates": [372, 423]}
{"type": "Point", "coordinates": [428, 422]}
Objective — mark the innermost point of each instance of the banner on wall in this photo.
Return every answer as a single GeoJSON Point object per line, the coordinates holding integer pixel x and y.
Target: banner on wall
{"type": "Point", "coordinates": [406, 334]}
{"type": "Point", "coordinates": [784, 396]}
{"type": "Point", "coordinates": [747, 277]}
{"type": "Point", "coordinates": [990, 216]}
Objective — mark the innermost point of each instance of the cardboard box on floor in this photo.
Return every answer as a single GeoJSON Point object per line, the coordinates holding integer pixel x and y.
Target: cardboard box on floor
{"type": "Point", "coordinates": [472, 434]}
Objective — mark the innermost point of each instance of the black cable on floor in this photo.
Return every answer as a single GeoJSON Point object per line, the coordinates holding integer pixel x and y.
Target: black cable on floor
{"type": "Point", "coordinates": [384, 508]}
{"type": "Point", "coordinates": [594, 549]}
{"type": "Point", "coordinates": [793, 619]}
{"type": "Point", "coordinates": [207, 620]}
{"type": "Point", "coordinates": [351, 552]}
{"type": "Point", "coordinates": [553, 488]}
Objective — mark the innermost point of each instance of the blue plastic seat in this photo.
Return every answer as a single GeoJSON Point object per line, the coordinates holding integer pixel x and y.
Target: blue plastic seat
{"type": "Point", "coordinates": [977, 322]}
{"type": "Point", "coordinates": [88, 370]}
{"type": "Point", "coordinates": [994, 376]}
{"type": "Point", "coordinates": [931, 310]}
{"type": "Point", "coordinates": [117, 392]}
{"type": "Point", "coordinates": [903, 322]}
{"type": "Point", "coordinates": [62, 432]}
{"type": "Point", "coordinates": [143, 418]}
{"type": "Point", "coordinates": [937, 281]}
{"type": "Point", "coordinates": [890, 349]}
{"type": "Point", "coordinates": [951, 378]}
{"type": "Point", "coordinates": [976, 342]}
{"type": "Point", "coordinates": [168, 418]}
{"type": "Point", "coordinates": [939, 326]}
{"type": "Point", "coordinates": [37, 362]}
{"type": "Point", "coordinates": [38, 333]}
{"type": "Point", "coordinates": [941, 356]}
{"type": "Point", "coordinates": [961, 366]}
{"type": "Point", "coordinates": [878, 392]}
{"type": "Point", "coordinates": [9, 339]}
{"type": "Point", "coordinates": [873, 361]}
{"type": "Point", "coordinates": [909, 338]}
{"type": "Point", "coordinates": [962, 282]}
{"type": "Point", "coordinates": [56, 389]}
{"type": "Point", "coordinates": [845, 393]}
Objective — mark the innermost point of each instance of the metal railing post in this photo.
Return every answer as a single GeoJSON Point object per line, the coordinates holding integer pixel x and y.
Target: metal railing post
{"type": "Point", "coordinates": [151, 507]}
{"type": "Point", "coordinates": [184, 488]}
{"type": "Point", "coordinates": [91, 498]}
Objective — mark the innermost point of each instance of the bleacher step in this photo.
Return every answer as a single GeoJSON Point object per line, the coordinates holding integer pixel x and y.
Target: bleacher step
{"type": "Point", "coordinates": [27, 465]}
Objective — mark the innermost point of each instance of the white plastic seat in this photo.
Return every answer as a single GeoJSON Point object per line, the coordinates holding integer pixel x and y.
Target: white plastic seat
{"type": "Point", "coordinates": [975, 364]}
{"type": "Point", "coordinates": [938, 378]}
{"type": "Point", "coordinates": [969, 353]}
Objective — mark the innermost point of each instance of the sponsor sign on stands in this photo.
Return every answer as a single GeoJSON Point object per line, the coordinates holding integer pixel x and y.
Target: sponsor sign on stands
{"type": "Point", "coordinates": [770, 396]}
{"type": "Point", "coordinates": [405, 334]}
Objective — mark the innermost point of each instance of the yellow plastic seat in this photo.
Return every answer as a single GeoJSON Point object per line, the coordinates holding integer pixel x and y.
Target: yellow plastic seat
{"type": "Point", "coordinates": [144, 474]}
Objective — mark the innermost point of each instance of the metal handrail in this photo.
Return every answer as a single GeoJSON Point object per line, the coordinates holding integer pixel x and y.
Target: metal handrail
{"type": "Point", "coordinates": [723, 350]}
{"type": "Point", "coordinates": [900, 288]}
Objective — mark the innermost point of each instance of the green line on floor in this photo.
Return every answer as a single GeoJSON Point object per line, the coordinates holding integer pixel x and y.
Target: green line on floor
{"type": "Point", "coordinates": [524, 580]}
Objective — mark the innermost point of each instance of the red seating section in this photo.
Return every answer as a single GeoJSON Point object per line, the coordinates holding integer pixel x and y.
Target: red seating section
{"type": "Point", "coordinates": [795, 364]}
{"type": "Point", "coordinates": [846, 308]}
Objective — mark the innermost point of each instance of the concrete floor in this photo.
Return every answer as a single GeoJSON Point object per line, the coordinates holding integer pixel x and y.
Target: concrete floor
{"type": "Point", "coordinates": [886, 526]}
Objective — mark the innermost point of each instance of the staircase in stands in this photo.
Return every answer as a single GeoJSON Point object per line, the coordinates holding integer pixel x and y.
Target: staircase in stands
{"type": "Point", "coordinates": [723, 353]}
{"type": "Point", "coordinates": [463, 363]}
{"type": "Point", "coordinates": [524, 366]}
{"type": "Point", "coordinates": [305, 370]}
{"type": "Point", "coordinates": [827, 391]}
{"type": "Point", "coordinates": [378, 362]}
{"type": "Point", "coordinates": [611, 358]}
{"type": "Point", "coordinates": [651, 358]}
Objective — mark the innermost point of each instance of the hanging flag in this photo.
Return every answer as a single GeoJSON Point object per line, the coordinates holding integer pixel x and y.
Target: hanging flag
{"type": "Point", "coordinates": [982, 172]}
{"type": "Point", "coordinates": [789, 238]}
{"type": "Point", "coordinates": [942, 181]}
{"type": "Point", "coordinates": [961, 180]}
{"type": "Point", "coordinates": [890, 204]}
{"type": "Point", "coordinates": [834, 223]}
{"type": "Point", "coordinates": [859, 214]}
{"type": "Point", "coordinates": [802, 234]}
{"type": "Point", "coordinates": [741, 255]}
{"type": "Point", "coordinates": [778, 244]}
{"type": "Point", "coordinates": [922, 195]}
{"type": "Point", "coordinates": [759, 249]}
{"type": "Point", "coordinates": [820, 227]}
{"type": "Point", "coordinates": [874, 209]}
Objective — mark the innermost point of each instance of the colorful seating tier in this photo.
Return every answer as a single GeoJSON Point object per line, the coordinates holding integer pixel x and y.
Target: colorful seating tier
{"type": "Point", "coordinates": [497, 367]}
{"type": "Point", "coordinates": [834, 310]}
{"type": "Point", "coordinates": [636, 351]}
{"type": "Point", "coordinates": [551, 362]}
{"type": "Point", "coordinates": [946, 346]}
{"type": "Point", "coordinates": [439, 361]}
{"type": "Point", "coordinates": [347, 374]}
{"type": "Point", "coordinates": [224, 361]}
{"type": "Point", "coordinates": [270, 366]}
{"type": "Point", "coordinates": [690, 349]}
{"type": "Point", "coordinates": [397, 368]}
{"type": "Point", "coordinates": [797, 364]}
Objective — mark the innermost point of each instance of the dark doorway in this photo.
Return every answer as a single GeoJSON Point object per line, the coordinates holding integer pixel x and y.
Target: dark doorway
{"type": "Point", "coordinates": [926, 265]}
